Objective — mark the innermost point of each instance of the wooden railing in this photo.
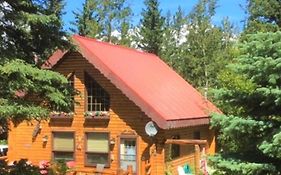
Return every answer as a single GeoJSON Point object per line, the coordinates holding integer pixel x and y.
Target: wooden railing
{"type": "Point", "coordinates": [3, 157]}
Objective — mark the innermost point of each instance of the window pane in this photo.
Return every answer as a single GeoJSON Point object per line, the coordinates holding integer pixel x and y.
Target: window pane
{"type": "Point", "coordinates": [99, 100]}
{"type": "Point", "coordinates": [97, 158]}
{"type": "Point", "coordinates": [128, 152]}
{"type": "Point", "coordinates": [63, 141]}
{"type": "Point", "coordinates": [63, 156]}
{"type": "Point", "coordinates": [97, 142]}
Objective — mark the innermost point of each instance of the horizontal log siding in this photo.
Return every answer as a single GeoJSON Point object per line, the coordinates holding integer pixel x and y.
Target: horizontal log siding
{"type": "Point", "coordinates": [125, 116]}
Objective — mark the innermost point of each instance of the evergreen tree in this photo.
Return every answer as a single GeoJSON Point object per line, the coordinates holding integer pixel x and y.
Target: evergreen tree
{"type": "Point", "coordinates": [175, 31]}
{"type": "Point", "coordinates": [151, 28]}
{"type": "Point", "coordinates": [100, 18]}
{"type": "Point", "coordinates": [31, 29]}
{"type": "Point", "coordinates": [86, 22]}
{"type": "Point", "coordinates": [30, 93]}
{"type": "Point", "coordinates": [206, 51]}
{"type": "Point", "coordinates": [264, 16]}
{"type": "Point", "coordinates": [250, 130]}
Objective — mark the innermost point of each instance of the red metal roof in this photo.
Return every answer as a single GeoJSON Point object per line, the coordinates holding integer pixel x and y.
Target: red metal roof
{"type": "Point", "coordinates": [145, 79]}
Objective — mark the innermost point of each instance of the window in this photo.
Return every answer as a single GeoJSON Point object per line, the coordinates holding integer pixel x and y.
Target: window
{"type": "Point", "coordinates": [196, 135]}
{"type": "Point", "coordinates": [63, 146]}
{"type": "Point", "coordinates": [175, 148]}
{"type": "Point", "coordinates": [128, 153]}
{"type": "Point", "coordinates": [97, 148]}
{"type": "Point", "coordinates": [97, 97]}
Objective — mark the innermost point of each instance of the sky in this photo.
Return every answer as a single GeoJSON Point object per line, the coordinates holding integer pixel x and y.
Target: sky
{"type": "Point", "coordinates": [226, 8]}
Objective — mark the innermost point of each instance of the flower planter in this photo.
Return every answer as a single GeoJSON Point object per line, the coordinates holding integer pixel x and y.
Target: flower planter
{"type": "Point", "coordinates": [97, 115]}
{"type": "Point", "coordinates": [62, 116]}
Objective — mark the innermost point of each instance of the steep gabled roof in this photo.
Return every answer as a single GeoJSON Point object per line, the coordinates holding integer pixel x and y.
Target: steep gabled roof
{"type": "Point", "coordinates": [145, 79]}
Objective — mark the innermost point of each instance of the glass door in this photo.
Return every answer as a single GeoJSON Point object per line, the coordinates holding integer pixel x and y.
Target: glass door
{"type": "Point", "coordinates": [128, 153]}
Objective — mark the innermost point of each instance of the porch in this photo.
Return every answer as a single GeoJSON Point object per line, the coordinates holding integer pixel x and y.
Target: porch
{"type": "Point", "coordinates": [194, 163]}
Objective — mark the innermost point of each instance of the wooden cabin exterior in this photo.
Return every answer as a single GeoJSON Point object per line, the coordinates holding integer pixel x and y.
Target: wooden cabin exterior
{"type": "Point", "coordinates": [108, 126]}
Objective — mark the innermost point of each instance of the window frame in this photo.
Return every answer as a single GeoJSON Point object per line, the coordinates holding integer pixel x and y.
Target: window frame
{"type": "Point", "coordinates": [91, 152]}
{"type": "Point", "coordinates": [53, 151]}
{"type": "Point", "coordinates": [105, 97]}
{"type": "Point", "coordinates": [129, 136]}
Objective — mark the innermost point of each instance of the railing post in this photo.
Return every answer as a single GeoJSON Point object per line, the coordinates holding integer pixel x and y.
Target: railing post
{"type": "Point", "coordinates": [197, 159]}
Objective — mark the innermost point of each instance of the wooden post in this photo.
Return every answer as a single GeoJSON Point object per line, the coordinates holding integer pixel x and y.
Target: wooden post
{"type": "Point", "coordinates": [197, 159]}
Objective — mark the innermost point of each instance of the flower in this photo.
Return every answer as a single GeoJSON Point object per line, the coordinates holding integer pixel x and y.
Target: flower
{"type": "Point", "coordinates": [44, 165]}
{"type": "Point", "coordinates": [70, 164]}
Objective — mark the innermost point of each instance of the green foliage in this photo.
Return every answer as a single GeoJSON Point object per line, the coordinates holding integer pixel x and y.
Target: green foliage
{"type": "Point", "coordinates": [19, 168]}
{"type": "Point", "coordinates": [264, 16]}
{"type": "Point", "coordinates": [231, 166]}
{"type": "Point", "coordinates": [208, 47]}
{"type": "Point", "coordinates": [28, 92]}
{"type": "Point", "coordinates": [58, 168]}
{"type": "Point", "coordinates": [172, 51]}
{"type": "Point", "coordinates": [151, 28]}
{"type": "Point", "coordinates": [233, 128]}
{"type": "Point", "coordinates": [250, 138]}
{"type": "Point", "coordinates": [31, 29]}
{"type": "Point", "coordinates": [99, 19]}
{"type": "Point", "coordinates": [3, 142]}
{"type": "Point", "coordinates": [271, 146]}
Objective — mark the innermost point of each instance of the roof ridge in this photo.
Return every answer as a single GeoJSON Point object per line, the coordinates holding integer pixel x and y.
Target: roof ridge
{"type": "Point", "coordinates": [115, 45]}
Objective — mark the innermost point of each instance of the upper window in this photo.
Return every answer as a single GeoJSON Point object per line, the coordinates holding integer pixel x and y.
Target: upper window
{"type": "Point", "coordinates": [97, 97]}
{"type": "Point", "coordinates": [63, 146]}
{"type": "Point", "coordinates": [97, 148]}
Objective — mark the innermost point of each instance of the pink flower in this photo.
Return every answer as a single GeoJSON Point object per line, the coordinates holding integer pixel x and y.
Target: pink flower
{"type": "Point", "coordinates": [43, 171]}
{"type": "Point", "coordinates": [70, 164]}
{"type": "Point", "coordinates": [44, 164]}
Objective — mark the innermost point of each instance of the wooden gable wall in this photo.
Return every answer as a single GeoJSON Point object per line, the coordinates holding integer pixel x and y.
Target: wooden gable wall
{"type": "Point", "coordinates": [125, 117]}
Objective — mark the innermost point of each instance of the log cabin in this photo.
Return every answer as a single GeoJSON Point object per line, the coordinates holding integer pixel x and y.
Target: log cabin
{"type": "Point", "coordinates": [130, 104]}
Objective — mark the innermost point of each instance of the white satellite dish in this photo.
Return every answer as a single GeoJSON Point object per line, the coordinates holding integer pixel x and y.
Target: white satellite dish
{"type": "Point", "coordinates": [150, 129]}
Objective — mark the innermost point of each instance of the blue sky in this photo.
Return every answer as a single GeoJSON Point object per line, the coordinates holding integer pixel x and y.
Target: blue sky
{"type": "Point", "coordinates": [230, 8]}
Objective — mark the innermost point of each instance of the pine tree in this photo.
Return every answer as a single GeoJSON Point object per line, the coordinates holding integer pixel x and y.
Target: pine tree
{"type": "Point", "coordinates": [99, 19]}
{"type": "Point", "coordinates": [175, 30]}
{"type": "Point", "coordinates": [250, 130]}
{"type": "Point", "coordinates": [206, 51]}
{"type": "Point", "coordinates": [151, 27]}
{"type": "Point", "coordinates": [86, 22]}
{"type": "Point", "coordinates": [264, 16]}
{"type": "Point", "coordinates": [31, 29]}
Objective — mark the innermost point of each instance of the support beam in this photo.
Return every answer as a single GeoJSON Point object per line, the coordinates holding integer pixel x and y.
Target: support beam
{"type": "Point", "coordinates": [186, 142]}
{"type": "Point", "coordinates": [3, 157]}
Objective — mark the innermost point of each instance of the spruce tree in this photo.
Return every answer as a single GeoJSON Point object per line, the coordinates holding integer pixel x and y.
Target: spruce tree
{"type": "Point", "coordinates": [205, 52]}
{"type": "Point", "coordinates": [31, 29]}
{"type": "Point", "coordinates": [151, 27]}
{"type": "Point", "coordinates": [86, 23]}
{"type": "Point", "coordinates": [99, 19]}
{"type": "Point", "coordinates": [175, 30]}
{"type": "Point", "coordinates": [264, 16]}
{"type": "Point", "coordinates": [250, 129]}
